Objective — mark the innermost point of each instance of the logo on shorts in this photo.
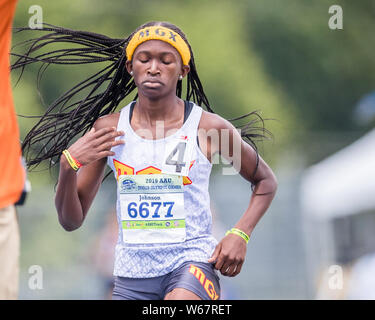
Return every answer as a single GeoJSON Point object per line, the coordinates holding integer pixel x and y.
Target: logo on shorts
{"type": "Point", "coordinates": [205, 282]}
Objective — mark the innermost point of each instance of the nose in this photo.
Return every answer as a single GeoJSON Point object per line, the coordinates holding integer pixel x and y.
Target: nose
{"type": "Point", "coordinates": [154, 68]}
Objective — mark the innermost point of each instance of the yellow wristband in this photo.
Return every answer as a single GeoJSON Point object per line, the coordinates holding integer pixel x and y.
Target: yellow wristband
{"type": "Point", "coordinates": [240, 233]}
{"type": "Point", "coordinates": [71, 161]}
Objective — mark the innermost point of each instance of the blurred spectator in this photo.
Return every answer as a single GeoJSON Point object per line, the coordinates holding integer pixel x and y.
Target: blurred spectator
{"type": "Point", "coordinates": [12, 175]}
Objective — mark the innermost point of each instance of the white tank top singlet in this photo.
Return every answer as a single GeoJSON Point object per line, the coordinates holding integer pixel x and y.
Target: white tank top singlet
{"type": "Point", "coordinates": [146, 156]}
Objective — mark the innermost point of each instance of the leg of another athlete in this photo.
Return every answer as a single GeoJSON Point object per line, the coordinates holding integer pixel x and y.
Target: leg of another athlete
{"type": "Point", "coordinates": [181, 294]}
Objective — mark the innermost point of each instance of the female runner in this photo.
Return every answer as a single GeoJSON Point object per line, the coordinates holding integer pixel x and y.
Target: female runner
{"type": "Point", "coordinates": [160, 149]}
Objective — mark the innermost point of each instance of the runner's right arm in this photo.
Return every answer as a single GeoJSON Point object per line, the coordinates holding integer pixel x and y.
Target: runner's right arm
{"type": "Point", "coordinates": [76, 191]}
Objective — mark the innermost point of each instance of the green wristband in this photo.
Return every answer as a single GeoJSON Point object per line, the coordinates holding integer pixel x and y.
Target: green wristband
{"type": "Point", "coordinates": [240, 233]}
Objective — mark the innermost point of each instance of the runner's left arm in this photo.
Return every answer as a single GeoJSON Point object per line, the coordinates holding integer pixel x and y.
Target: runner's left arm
{"type": "Point", "coordinates": [229, 255]}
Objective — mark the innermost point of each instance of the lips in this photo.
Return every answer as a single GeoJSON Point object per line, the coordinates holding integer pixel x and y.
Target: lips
{"type": "Point", "coordinates": [152, 83]}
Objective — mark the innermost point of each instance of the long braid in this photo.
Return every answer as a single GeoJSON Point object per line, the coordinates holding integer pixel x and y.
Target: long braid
{"type": "Point", "coordinates": [63, 121]}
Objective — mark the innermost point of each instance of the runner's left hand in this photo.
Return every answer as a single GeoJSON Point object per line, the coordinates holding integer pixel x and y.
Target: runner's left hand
{"type": "Point", "coordinates": [229, 255]}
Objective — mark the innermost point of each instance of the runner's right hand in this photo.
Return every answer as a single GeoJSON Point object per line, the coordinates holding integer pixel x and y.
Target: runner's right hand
{"type": "Point", "coordinates": [95, 145]}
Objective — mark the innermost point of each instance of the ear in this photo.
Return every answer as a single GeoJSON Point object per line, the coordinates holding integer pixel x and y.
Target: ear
{"type": "Point", "coordinates": [185, 70]}
{"type": "Point", "coordinates": [129, 66]}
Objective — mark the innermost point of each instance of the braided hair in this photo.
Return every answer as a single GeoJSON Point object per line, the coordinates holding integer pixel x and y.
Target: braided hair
{"type": "Point", "coordinates": [64, 120]}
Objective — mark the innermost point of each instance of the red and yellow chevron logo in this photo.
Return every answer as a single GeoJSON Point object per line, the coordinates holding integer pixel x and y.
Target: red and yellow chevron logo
{"type": "Point", "coordinates": [124, 169]}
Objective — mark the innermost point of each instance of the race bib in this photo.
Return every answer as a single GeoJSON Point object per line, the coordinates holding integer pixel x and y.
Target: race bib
{"type": "Point", "coordinates": [152, 208]}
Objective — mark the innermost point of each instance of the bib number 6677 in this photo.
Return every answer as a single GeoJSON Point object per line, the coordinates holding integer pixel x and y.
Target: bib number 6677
{"type": "Point", "coordinates": [144, 208]}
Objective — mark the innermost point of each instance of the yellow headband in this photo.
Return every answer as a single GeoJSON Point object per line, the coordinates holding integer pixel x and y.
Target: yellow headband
{"type": "Point", "coordinates": [159, 33]}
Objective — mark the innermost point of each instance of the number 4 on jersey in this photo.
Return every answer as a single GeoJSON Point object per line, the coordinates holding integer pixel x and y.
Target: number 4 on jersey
{"type": "Point", "coordinates": [178, 152]}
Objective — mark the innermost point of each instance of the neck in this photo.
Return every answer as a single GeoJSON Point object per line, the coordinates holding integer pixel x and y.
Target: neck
{"type": "Point", "coordinates": [165, 109]}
